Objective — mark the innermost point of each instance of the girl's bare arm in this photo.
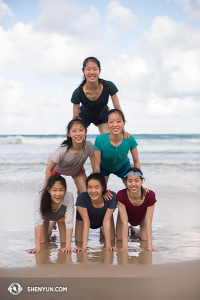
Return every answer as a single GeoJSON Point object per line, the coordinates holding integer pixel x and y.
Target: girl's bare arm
{"type": "Point", "coordinates": [75, 111]}
{"type": "Point", "coordinates": [135, 156]}
{"type": "Point", "coordinates": [86, 227]}
{"type": "Point", "coordinates": [124, 220]}
{"type": "Point", "coordinates": [38, 233]}
{"type": "Point", "coordinates": [106, 228]}
{"type": "Point", "coordinates": [97, 161]}
{"type": "Point", "coordinates": [49, 170]}
{"type": "Point", "coordinates": [148, 222]}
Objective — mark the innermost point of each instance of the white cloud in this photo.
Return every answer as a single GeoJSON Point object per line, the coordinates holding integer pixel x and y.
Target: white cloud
{"type": "Point", "coordinates": [175, 54]}
{"type": "Point", "coordinates": [32, 108]}
{"type": "Point", "coordinates": [184, 70]}
{"type": "Point", "coordinates": [190, 7]}
{"type": "Point", "coordinates": [5, 10]}
{"type": "Point", "coordinates": [165, 34]}
{"type": "Point", "coordinates": [121, 15]}
{"type": "Point", "coordinates": [128, 68]}
{"type": "Point", "coordinates": [47, 49]}
{"type": "Point", "coordinates": [62, 17]}
{"type": "Point", "coordinates": [160, 107]}
{"type": "Point", "coordinates": [40, 52]}
{"type": "Point", "coordinates": [57, 15]}
{"type": "Point", "coordinates": [157, 79]}
{"type": "Point", "coordinates": [11, 94]}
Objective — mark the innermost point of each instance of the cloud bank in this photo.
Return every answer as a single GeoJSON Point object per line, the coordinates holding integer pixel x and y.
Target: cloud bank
{"type": "Point", "coordinates": [41, 61]}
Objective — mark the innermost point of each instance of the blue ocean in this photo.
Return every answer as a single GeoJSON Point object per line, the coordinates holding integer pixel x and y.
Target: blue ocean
{"type": "Point", "coordinates": [171, 167]}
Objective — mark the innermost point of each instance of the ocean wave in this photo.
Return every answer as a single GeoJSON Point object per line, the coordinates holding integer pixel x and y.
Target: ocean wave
{"type": "Point", "coordinates": [193, 141]}
{"type": "Point", "coordinates": [11, 140]}
{"type": "Point", "coordinates": [23, 162]}
{"type": "Point", "coordinates": [143, 162]}
{"type": "Point", "coordinates": [172, 163]}
{"type": "Point", "coordinates": [32, 140]}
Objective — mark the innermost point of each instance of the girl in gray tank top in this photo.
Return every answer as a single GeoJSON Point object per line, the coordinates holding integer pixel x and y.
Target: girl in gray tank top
{"type": "Point", "coordinates": [70, 157]}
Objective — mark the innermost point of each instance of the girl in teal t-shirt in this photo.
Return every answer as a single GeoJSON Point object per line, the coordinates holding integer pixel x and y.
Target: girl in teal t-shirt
{"type": "Point", "coordinates": [111, 149]}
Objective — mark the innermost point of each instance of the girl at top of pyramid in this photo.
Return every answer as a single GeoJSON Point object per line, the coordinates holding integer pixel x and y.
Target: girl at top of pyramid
{"type": "Point", "coordinates": [90, 99]}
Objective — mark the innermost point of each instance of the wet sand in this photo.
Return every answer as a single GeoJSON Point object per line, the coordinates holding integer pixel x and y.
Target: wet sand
{"type": "Point", "coordinates": [96, 274]}
{"type": "Point", "coordinates": [98, 281]}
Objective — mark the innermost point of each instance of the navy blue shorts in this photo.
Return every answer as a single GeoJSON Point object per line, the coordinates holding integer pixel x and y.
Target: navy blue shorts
{"type": "Point", "coordinates": [102, 121]}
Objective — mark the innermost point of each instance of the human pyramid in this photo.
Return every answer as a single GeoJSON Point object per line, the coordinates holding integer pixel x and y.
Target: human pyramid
{"type": "Point", "coordinates": [109, 155]}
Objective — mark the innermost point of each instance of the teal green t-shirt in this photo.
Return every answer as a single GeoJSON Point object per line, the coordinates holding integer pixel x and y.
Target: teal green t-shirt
{"type": "Point", "coordinates": [113, 158]}
{"type": "Point", "coordinates": [94, 111]}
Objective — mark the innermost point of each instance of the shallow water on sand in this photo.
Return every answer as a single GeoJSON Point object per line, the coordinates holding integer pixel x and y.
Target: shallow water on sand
{"type": "Point", "coordinates": [176, 225]}
{"type": "Point", "coordinates": [176, 222]}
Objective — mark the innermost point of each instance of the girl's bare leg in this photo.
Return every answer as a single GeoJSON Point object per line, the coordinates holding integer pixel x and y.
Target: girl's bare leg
{"type": "Point", "coordinates": [119, 228]}
{"type": "Point", "coordinates": [80, 179]}
{"type": "Point", "coordinates": [141, 233]}
{"type": "Point", "coordinates": [62, 231]}
{"type": "Point", "coordinates": [79, 231]}
{"type": "Point", "coordinates": [112, 230]}
{"type": "Point", "coordinates": [101, 228]}
{"type": "Point", "coordinates": [103, 128]}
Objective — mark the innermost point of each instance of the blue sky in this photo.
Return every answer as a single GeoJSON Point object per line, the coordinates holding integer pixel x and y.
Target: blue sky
{"type": "Point", "coordinates": [149, 49]}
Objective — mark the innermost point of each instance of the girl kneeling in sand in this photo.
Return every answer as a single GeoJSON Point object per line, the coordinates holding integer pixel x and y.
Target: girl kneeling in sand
{"type": "Point", "coordinates": [135, 207]}
{"type": "Point", "coordinates": [70, 157]}
{"type": "Point", "coordinates": [54, 203]}
{"type": "Point", "coordinates": [111, 149]}
{"type": "Point", "coordinates": [93, 212]}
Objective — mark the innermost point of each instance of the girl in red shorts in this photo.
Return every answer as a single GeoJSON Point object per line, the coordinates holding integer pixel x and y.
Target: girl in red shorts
{"type": "Point", "coordinates": [70, 157]}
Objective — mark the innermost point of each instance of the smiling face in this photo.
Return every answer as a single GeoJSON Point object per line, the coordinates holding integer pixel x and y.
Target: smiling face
{"type": "Point", "coordinates": [134, 183]}
{"type": "Point", "coordinates": [77, 133]}
{"type": "Point", "coordinates": [115, 123]}
{"type": "Point", "coordinates": [57, 192]}
{"type": "Point", "coordinates": [94, 189]}
{"type": "Point", "coordinates": [91, 71]}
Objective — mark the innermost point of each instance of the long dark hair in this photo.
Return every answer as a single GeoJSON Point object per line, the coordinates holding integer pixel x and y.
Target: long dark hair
{"type": "Point", "coordinates": [45, 206]}
{"type": "Point", "coordinates": [100, 178]}
{"type": "Point", "coordinates": [96, 61]}
{"type": "Point", "coordinates": [115, 110]}
{"type": "Point", "coordinates": [134, 169]}
{"type": "Point", "coordinates": [68, 141]}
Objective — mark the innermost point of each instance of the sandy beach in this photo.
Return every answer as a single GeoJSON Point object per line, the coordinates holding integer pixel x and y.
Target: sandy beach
{"type": "Point", "coordinates": [173, 273]}
{"type": "Point", "coordinates": [165, 281]}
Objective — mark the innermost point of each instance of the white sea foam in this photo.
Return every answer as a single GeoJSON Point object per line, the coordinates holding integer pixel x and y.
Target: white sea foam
{"type": "Point", "coordinates": [165, 146]}
{"type": "Point", "coordinates": [11, 140]}
{"type": "Point", "coordinates": [34, 150]}
{"type": "Point", "coordinates": [23, 162]}
{"type": "Point", "coordinates": [31, 140]}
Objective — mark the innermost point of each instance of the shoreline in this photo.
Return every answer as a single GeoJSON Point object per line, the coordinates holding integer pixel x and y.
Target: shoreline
{"type": "Point", "coordinates": [97, 270]}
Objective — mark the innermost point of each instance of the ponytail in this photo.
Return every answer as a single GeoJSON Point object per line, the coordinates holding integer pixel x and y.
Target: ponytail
{"type": "Point", "coordinates": [68, 141]}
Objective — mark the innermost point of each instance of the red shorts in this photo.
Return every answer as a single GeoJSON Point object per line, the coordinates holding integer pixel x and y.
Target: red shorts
{"type": "Point", "coordinates": [82, 169]}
